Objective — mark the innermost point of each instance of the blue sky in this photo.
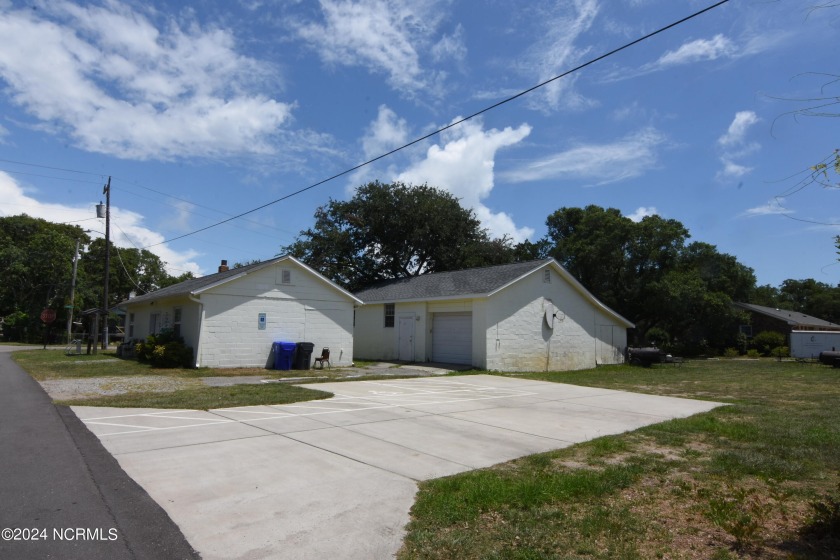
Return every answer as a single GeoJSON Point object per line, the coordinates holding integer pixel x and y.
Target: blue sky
{"type": "Point", "coordinates": [205, 112]}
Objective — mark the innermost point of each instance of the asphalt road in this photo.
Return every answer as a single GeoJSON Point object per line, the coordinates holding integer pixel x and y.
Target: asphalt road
{"type": "Point", "coordinates": [62, 495]}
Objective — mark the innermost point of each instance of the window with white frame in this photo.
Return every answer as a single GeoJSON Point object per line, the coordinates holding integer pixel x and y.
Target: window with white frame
{"type": "Point", "coordinates": [131, 325]}
{"type": "Point", "coordinates": [547, 276]}
{"type": "Point", "coordinates": [176, 321]}
{"type": "Point", "coordinates": [154, 323]}
{"type": "Point", "coordinates": [389, 314]}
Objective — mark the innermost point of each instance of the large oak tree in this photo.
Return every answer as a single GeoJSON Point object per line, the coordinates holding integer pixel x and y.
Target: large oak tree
{"type": "Point", "coordinates": [647, 272]}
{"type": "Point", "coordinates": [395, 230]}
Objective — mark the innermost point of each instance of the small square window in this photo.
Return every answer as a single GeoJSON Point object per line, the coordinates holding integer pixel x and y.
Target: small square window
{"type": "Point", "coordinates": [389, 314]}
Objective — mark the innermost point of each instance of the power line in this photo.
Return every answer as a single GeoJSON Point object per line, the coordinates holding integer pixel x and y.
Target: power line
{"type": "Point", "coordinates": [192, 211]}
{"type": "Point", "coordinates": [54, 168]}
{"type": "Point", "coordinates": [453, 124]}
{"type": "Point", "coordinates": [49, 176]}
{"type": "Point", "coordinates": [123, 189]}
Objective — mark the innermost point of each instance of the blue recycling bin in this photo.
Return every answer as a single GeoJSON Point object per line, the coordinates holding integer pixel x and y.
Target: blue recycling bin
{"type": "Point", "coordinates": [284, 354]}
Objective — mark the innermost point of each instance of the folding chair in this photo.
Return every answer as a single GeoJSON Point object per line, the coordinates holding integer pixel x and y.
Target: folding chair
{"type": "Point", "coordinates": [325, 357]}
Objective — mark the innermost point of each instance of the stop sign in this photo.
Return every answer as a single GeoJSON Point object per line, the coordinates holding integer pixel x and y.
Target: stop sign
{"type": "Point", "coordinates": [48, 315]}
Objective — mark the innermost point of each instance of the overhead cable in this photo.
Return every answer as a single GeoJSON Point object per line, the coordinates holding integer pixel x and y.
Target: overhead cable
{"type": "Point", "coordinates": [450, 125]}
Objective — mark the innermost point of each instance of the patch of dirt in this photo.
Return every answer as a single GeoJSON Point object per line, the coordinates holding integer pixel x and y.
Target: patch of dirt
{"type": "Point", "coordinates": [81, 388]}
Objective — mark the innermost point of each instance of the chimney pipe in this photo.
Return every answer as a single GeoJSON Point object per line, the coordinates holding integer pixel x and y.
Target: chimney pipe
{"type": "Point", "coordinates": [223, 267]}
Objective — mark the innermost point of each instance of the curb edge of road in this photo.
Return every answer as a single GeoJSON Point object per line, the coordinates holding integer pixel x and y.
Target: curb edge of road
{"type": "Point", "coordinates": [142, 523]}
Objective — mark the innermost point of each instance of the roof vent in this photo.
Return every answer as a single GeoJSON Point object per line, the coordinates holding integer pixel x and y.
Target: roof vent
{"type": "Point", "coordinates": [223, 267]}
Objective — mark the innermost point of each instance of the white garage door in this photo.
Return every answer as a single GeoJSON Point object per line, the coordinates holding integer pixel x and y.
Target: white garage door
{"type": "Point", "coordinates": [452, 338]}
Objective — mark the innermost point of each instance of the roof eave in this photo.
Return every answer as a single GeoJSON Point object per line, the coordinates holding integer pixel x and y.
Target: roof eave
{"type": "Point", "coordinates": [421, 299]}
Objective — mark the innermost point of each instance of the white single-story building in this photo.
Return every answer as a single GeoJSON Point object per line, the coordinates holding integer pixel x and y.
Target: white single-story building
{"type": "Point", "coordinates": [232, 318]}
{"type": "Point", "coordinates": [528, 316]}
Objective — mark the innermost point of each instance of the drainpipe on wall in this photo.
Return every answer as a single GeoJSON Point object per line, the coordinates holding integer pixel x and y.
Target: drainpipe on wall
{"type": "Point", "coordinates": [200, 325]}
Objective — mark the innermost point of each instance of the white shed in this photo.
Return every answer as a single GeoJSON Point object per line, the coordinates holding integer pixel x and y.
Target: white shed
{"type": "Point", "coordinates": [529, 316]}
{"type": "Point", "coordinates": [232, 318]}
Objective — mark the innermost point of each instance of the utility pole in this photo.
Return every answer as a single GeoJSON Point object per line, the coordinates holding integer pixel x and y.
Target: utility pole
{"type": "Point", "coordinates": [72, 295]}
{"type": "Point", "coordinates": [104, 211]}
{"type": "Point", "coordinates": [107, 192]}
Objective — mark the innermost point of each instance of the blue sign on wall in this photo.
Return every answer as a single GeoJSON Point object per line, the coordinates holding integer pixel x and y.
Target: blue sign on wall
{"type": "Point", "coordinates": [261, 322]}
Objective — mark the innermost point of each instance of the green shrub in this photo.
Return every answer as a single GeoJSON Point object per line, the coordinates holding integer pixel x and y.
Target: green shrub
{"type": "Point", "coordinates": [766, 341]}
{"type": "Point", "coordinates": [165, 350]}
{"type": "Point", "coordinates": [753, 353]}
{"type": "Point", "coordinates": [731, 353]}
{"type": "Point", "coordinates": [658, 337]}
{"type": "Point", "coordinates": [14, 326]}
{"type": "Point", "coordinates": [780, 352]}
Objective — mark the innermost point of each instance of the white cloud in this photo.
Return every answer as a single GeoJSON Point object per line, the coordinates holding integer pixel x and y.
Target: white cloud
{"type": "Point", "coordinates": [643, 212]}
{"type": "Point", "coordinates": [699, 50]}
{"type": "Point", "coordinates": [555, 52]}
{"type": "Point", "coordinates": [127, 230]}
{"type": "Point", "coordinates": [463, 164]}
{"type": "Point", "coordinates": [629, 157]}
{"type": "Point", "coordinates": [696, 51]}
{"type": "Point", "coordinates": [385, 133]}
{"type": "Point", "coordinates": [451, 47]}
{"type": "Point", "coordinates": [771, 208]}
{"type": "Point", "coordinates": [734, 146]}
{"type": "Point", "coordinates": [732, 170]}
{"type": "Point", "coordinates": [382, 135]}
{"type": "Point", "coordinates": [738, 128]}
{"type": "Point", "coordinates": [387, 36]}
{"type": "Point", "coordinates": [117, 84]}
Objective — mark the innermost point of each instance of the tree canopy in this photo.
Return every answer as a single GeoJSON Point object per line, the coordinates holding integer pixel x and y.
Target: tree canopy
{"type": "Point", "coordinates": [36, 264]}
{"type": "Point", "coordinates": [806, 296]}
{"type": "Point", "coordinates": [395, 230]}
{"type": "Point", "coordinates": [647, 272]}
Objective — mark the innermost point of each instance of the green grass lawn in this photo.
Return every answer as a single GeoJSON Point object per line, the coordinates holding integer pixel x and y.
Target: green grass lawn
{"type": "Point", "coordinates": [737, 482]}
{"type": "Point", "coordinates": [45, 365]}
{"type": "Point", "coordinates": [205, 398]}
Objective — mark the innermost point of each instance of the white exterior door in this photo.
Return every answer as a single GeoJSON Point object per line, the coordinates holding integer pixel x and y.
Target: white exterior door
{"type": "Point", "coordinates": [452, 338]}
{"type": "Point", "coordinates": [406, 342]}
{"type": "Point", "coordinates": [605, 350]}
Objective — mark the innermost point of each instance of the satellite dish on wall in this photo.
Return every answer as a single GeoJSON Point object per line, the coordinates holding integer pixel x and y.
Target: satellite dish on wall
{"type": "Point", "coordinates": [549, 313]}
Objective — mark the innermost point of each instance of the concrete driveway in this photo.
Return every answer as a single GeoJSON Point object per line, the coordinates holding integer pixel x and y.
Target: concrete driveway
{"type": "Point", "coordinates": [336, 478]}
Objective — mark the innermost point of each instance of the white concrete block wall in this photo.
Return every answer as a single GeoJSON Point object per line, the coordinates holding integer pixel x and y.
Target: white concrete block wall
{"type": "Point", "coordinates": [479, 349]}
{"type": "Point", "coordinates": [307, 309]}
{"type": "Point", "coordinates": [518, 338]}
{"type": "Point", "coordinates": [232, 338]}
{"type": "Point", "coordinates": [509, 329]}
{"type": "Point", "coordinates": [371, 340]}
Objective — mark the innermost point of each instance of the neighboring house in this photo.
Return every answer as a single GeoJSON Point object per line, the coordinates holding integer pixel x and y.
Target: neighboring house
{"type": "Point", "coordinates": [232, 318]}
{"type": "Point", "coordinates": [530, 316]}
{"type": "Point", "coordinates": [783, 320]}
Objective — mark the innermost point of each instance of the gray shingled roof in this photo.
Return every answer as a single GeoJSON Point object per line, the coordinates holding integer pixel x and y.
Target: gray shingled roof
{"type": "Point", "coordinates": [189, 286]}
{"type": "Point", "coordinates": [472, 281]}
{"type": "Point", "coordinates": [792, 318]}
